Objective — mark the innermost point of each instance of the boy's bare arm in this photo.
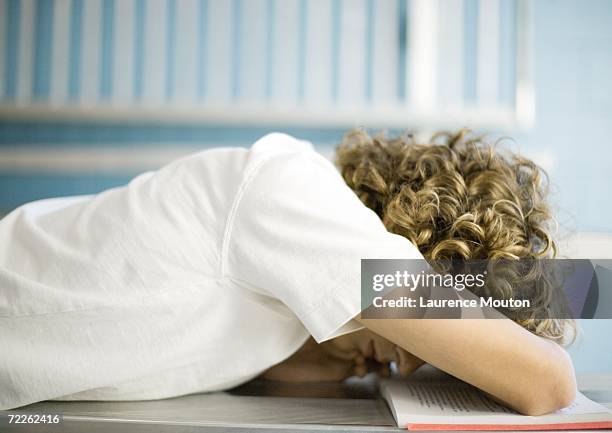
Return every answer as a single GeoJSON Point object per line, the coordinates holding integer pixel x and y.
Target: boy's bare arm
{"type": "Point", "coordinates": [530, 374]}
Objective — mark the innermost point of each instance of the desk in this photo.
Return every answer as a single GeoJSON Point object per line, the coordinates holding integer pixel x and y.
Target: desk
{"type": "Point", "coordinates": [258, 406]}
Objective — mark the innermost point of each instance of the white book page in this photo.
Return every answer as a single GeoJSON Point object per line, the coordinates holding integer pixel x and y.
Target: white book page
{"type": "Point", "coordinates": [454, 402]}
{"type": "Point", "coordinates": [583, 405]}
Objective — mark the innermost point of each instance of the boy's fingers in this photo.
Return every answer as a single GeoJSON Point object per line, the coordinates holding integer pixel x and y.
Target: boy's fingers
{"type": "Point", "coordinates": [340, 354]}
{"type": "Point", "coordinates": [381, 368]}
{"type": "Point", "coordinates": [361, 370]}
{"type": "Point", "coordinates": [384, 370]}
{"type": "Point", "coordinates": [407, 362]}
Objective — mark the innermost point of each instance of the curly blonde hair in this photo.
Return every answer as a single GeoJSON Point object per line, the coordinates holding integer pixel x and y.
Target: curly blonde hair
{"type": "Point", "coordinates": [458, 197]}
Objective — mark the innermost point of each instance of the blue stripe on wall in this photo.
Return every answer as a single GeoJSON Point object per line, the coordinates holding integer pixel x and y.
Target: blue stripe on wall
{"type": "Point", "coordinates": [106, 61]}
{"type": "Point", "coordinates": [139, 50]}
{"type": "Point", "coordinates": [13, 23]}
{"type": "Point", "coordinates": [369, 42]}
{"type": "Point", "coordinates": [402, 73]}
{"type": "Point", "coordinates": [236, 49]}
{"type": "Point", "coordinates": [303, 22]}
{"type": "Point", "coordinates": [202, 36]}
{"type": "Point", "coordinates": [508, 46]}
{"type": "Point", "coordinates": [170, 48]}
{"type": "Point", "coordinates": [42, 49]}
{"type": "Point", "coordinates": [335, 48]}
{"type": "Point", "coordinates": [270, 34]}
{"type": "Point", "coordinates": [17, 189]}
{"type": "Point", "coordinates": [470, 50]}
{"type": "Point", "coordinates": [76, 36]}
{"type": "Point", "coordinates": [14, 134]}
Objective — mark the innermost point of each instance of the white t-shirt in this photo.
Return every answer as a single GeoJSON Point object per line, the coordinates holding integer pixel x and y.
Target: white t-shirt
{"type": "Point", "coordinates": [196, 277]}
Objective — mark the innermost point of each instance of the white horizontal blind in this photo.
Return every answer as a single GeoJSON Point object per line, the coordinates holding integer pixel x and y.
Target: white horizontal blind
{"type": "Point", "coordinates": [378, 62]}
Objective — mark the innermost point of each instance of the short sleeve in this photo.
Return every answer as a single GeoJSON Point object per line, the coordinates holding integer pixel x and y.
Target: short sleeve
{"type": "Point", "coordinates": [298, 233]}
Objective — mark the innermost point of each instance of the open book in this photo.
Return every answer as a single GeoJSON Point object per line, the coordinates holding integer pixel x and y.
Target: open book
{"type": "Point", "coordinates": [440, 402]}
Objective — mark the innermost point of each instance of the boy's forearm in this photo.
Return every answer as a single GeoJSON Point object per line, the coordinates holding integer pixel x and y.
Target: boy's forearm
{"type": "Point", "coordinates": [530, 374]}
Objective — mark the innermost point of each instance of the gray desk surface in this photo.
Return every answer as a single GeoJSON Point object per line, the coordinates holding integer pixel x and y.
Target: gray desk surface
{"type": "Point", "coordinates": [258, 406]}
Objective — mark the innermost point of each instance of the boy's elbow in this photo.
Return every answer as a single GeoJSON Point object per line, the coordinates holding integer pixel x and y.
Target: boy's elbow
{"type": "Point", "coordinates": [567, 396]}
{"type": "Point", "coordinates": [548, 400]}
{"type": "Point", "coordinates": [554, 389]}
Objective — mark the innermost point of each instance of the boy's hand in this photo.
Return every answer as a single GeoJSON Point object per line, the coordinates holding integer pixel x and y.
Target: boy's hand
{"type": "Point", "coordinates": [407, 363]}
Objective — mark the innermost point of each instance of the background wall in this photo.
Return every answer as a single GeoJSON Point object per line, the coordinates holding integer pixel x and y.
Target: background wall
{"type": "Point", "coordinates": [93, 92]}
{"type": "Point", "coordinates": [570, 136]}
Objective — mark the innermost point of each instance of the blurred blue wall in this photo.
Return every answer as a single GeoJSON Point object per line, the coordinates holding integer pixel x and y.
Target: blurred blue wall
{"type": "Point", "coordinates": [573, 46]}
